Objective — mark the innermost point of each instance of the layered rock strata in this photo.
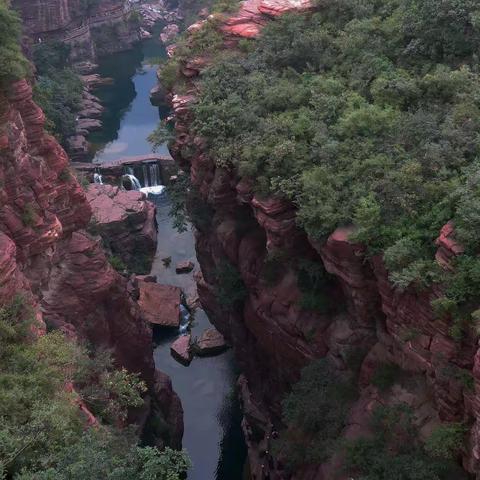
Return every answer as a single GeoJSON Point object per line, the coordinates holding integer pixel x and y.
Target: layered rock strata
{"type": "Point", "coordinates": [48, 257]}
{"type": "Point", "coordinates": [367, 322]}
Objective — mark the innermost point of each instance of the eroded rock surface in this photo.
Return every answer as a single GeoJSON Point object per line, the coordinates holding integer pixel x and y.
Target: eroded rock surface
{"type": "Point", "coordinates": [125, 220]}
{"type": "Point", "coordinates": [160, 304]}
{"type": "Point", "coordinates": [181, 349]}
{"type": "Point", "coordinates": [211, 342]}
{"type": "Point", "coordinates": [48, 258]}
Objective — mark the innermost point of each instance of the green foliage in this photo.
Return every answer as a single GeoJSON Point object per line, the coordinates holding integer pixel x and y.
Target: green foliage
{"type": "Point", "coordinates": [225, 6]}
{"type": "Point", "coordinates": [231, 290]}
{"type": "Point", "coordinates": [186, 205]}
{"type": "Point", "coordinates": [117, 263]}
{"type": "Point", "coordinates": [13, 66]}
{"type": "Point", "coordinates": [446, 441]}
{"type": "Point", "coordinates": [315, 414]}
{"type": "Point", "coordinates": [50, 56]}
{"type": "Point", "coordinates": [178, 192]}
{"type": "Point", "coordinates": [385, 376]}
{"type": "Point", "coordinates": [394, 450]}
{"type": "Point", "coordinates": [102, 454]}
{"type": "Point", "coordinates": [161, 135]}
{"type": "Point", "coordinates": [363, 113]}
{"type": "Point", "coordinates": [59, 94]}
{"type": "Point", "coordinates": [42, 431]}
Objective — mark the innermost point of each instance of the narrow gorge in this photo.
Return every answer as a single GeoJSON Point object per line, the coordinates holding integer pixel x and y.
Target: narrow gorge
{"type": "Point", "coordinates": [240, 241]}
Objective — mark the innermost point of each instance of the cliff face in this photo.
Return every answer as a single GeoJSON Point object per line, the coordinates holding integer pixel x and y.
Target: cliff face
{"type": "Point", "coordinates": [47, 257]}
{"type": "Point", "coordinates": [90, 28]}
{"type": "Point", "coordinates": [274, 336]}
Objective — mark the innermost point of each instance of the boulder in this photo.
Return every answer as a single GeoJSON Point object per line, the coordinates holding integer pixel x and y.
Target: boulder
{"type": "Point", "coordinates": [160, 304]}
{"type": "Point", "coordinates": [184, 267]}
{"type": "Point", "coordinates": [181, 349]}
{"type": "Point", "coordinates": [126, 222]}
{"type": "Point", "coordinates": [211, 342]}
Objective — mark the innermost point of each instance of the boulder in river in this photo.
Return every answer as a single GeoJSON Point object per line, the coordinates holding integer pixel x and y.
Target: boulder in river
{"type": "Point", "coordinates": [184, 267]}
{"type": "Point", "coordinates": [211, 342]}
{"type": "Point", "coordinates": [181, 349]}
{"type": "Point", "coordinates": [160, 304]}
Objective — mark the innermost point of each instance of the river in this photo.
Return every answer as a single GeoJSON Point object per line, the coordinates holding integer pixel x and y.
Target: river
{"type": "Point", "coordinates": [213, 436]}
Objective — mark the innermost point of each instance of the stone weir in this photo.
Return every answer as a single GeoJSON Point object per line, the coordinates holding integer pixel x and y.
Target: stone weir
{"type": "Point", "coordinates": [47, 255]}
{"type": "Point", "coordinates": [150, 170]}
{"type": "Point", "coordinates": [274, 336]}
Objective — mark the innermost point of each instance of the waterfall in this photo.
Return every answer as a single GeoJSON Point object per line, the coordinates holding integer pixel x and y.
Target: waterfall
{"type": "Point", "coordinates": [185, 319]}
{"type": "Point", "coordinates": [97, 178]}
{"type": "Point", "coordinates": [134, 181]}
{"type": "Point", "coordinates": [145, 176]}
{"type": "Point", "coordinates": [150, 173]}
{"type": "Point", "coordinates": [154, 173]}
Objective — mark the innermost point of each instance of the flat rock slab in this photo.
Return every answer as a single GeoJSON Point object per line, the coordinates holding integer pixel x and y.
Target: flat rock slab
{"type": "Point", "coordinates": [184, 267]}
{"type": "Point", "coordinates": [160, 304]}
{"type": "Point", "coordinates": [180, 349]}
{"type": "Point", "coordinates": [211, 342]}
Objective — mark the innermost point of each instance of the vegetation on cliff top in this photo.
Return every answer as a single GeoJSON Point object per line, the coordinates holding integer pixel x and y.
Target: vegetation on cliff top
{"type": "Point", "coordinates": [13, 65]}
{"type": "Point", "coordinates": [42, 431]}
{"type": "Point", "coordinates": [58, 90]}
{"type": "Point", "coordinates": [364, 113]}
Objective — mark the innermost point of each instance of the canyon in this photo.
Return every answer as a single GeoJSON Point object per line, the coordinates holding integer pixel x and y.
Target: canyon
{"type": "Point", "coordinates": [74, 251]}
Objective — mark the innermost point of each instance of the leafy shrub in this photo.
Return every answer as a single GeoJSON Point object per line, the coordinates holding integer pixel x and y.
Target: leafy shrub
{"type": "Point", "coordinates": [50, 56]}
{"type": "Point", "coordinates": [395, 451]}
{"type": "Point", "coordinates": [314, 414]}
{"type": "Point", "coordinates": [117, 263]}
{"type": "Point", "coordinates": [42, 432]}
{"type": "Point", "coordinates": [446, 441]}
{"type": "Point", "coordinates": [59, 94]}
{"type": "Point", "coordinates": [359, 117]}
{"type": "Point", "coordinates": [13, 66]}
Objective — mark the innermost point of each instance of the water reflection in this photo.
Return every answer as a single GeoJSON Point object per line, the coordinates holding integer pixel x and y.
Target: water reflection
{"type": "Point", "coordinates": [213, 435]}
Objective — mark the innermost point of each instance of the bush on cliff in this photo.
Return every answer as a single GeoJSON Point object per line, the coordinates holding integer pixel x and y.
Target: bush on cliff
{"type": "Point", "coordinates": [363, 113]}
{"type": "Point", "coordinates": [42, 430]}
{"type": "Point", "coordinates": [314, 414]}
{"type": "Point", "coordinates": [59, 95]}
{"type": "Point", "coordinates": [13, 65]}
{"type": "Point", "coordinates": [395, 451]}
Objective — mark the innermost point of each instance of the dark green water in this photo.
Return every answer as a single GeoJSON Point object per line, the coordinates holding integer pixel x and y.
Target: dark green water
{"type": "Point", "coordinates": [213, 435]}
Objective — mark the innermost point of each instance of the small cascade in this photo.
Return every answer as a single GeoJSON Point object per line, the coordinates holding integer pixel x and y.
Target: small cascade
{"type": "Point", "coordinates": [150, 175]}
{"type": "Point", "coordinates": [184, 320]}
{"type": "Point", "coordinates": [145, 175]}
{"type": "Point", "coordinates": [154, 174]}
{"type": "Point", "coordinates": [97, 178]}
{"type": "Point", "coordinates": [133, 180]}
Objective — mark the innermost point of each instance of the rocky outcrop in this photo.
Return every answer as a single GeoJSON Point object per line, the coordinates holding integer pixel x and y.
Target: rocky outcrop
{"type": "Point", "coordinates": [211, 342]}
{"type": "Point", "coordinates": [126, 222]}
{"type": "Point", "coordinates": [89, 29]}
{"type": "Point", "coordinates": [47, 257]}
{"type": "Point", "coordinates": [181, 349]}
{"type": "Point", "coordinates": [366, 321]}
{"type": "Point", "coordinates": [160, 304]}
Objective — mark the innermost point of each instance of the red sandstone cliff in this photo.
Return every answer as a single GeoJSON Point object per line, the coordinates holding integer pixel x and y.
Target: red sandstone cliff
{"type": "Point", "coordinates": [274, 337]}
{"type": "Point", "coordinates": [47, 257]}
